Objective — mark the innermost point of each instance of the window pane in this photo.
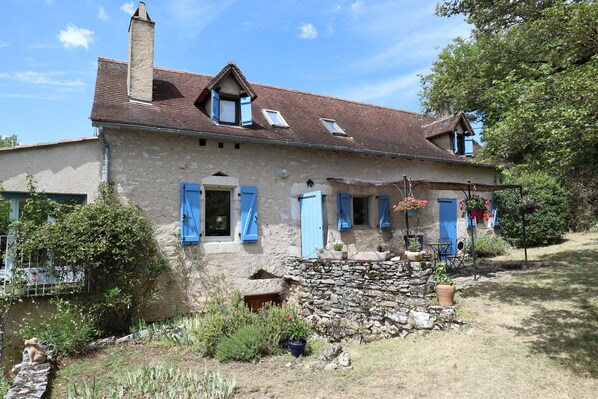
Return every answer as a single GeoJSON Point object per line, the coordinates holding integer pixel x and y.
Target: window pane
{"type": "Point", "coordinates": [217, 213]}
{"type": "Point", "coordinates": [360, 211]}
{"type": "Point", "coordinates": [275, 117]}
{"type": "Point", "coordinates": [228, 111]}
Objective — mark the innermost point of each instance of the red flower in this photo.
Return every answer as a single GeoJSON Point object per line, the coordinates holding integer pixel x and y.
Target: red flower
{"type": "Point", "coordinates": [487, 202]}
{"type": "Point", "coordinates": [288, 317]}
{"type": "Point", "coordinates": [463, 215]}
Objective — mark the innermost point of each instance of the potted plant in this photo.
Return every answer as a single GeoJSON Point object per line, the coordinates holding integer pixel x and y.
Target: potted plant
{"type": "Point", "coordinates": [297, 329]}
{"type": "Point", "coordinates": [413, 252]}
{"type": "Point", "coordinates": [445, 287]}
{"type": "Point", "coordinates": [336, 252]}
{"type": "Point", "coordinates": [410, 205]}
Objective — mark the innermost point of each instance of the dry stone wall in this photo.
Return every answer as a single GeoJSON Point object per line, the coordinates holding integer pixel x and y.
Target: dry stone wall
{"type": "Point", "coordinates": [368, 300]}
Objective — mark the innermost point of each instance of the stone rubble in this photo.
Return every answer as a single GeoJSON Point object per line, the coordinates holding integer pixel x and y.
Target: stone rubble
{"type": "Point", "coordinates": [32, 380]}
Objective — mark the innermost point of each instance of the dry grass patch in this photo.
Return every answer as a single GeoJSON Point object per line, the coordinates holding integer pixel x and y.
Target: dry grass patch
{"type": "Point", "coordinates": [534, 335]}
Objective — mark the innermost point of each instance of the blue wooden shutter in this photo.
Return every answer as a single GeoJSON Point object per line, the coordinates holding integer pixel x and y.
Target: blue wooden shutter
{"type": "Point", "coordinates": [215, 114]}
{"type": "Point", "coordinates": [468, 146]}
{"type": "Point", "coordinates": [189, 213]}
{"type": "Point", "coordinates": [246, 111]}
{"type": "Point", "coordinates": [455, 142]}
{"type": "Point", "coordinates": [344, 211]}
{"type": "Point", "coordinates": [248, 213]}
{"type": "Point", "coordinates": [383, 212]}
{"type": "Point", "coordinates": [495, 220]}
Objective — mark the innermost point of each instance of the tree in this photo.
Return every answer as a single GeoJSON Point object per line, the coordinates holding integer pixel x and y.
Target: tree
{"type": "Point", "coordinates": [528, 73]}
{"type": "Point", "coordinates": [9, 141]}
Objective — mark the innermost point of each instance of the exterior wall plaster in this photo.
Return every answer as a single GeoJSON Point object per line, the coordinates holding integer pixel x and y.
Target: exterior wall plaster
{"type": "Point", "coordinates": [148, 169]}
{"type": "Point", "coordinates": [73, 168]}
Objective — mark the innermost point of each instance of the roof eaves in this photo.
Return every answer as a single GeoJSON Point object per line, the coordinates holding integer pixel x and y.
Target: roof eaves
{"type": "Point", "coordinates": [239, 138]}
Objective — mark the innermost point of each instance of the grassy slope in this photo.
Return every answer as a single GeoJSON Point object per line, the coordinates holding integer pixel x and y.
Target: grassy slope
{"type": "Point", "coordinates": [534, 335]}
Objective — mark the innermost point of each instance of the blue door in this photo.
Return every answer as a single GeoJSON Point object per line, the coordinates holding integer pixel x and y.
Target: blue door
{"type": "Point", "coordinates": [312, 224]}
{"type": "Point", "coordinates": [448, 222]}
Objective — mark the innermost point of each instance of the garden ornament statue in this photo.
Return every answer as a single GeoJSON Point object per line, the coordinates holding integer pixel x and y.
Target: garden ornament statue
{"type": "Point", "coordinates": [36, 354]}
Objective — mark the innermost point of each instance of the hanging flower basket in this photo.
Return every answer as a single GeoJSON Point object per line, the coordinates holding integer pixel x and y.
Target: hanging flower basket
{"type": "Point", "coordinates": [410, 205]}
{"type": "Point", "coordinates": [476, 206]}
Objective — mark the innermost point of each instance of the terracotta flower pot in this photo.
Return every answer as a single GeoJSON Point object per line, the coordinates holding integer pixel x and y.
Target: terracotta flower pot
{"type": "Point", "coordinates": [445, 294]}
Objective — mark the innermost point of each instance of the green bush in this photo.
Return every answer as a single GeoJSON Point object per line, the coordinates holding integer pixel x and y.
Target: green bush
{"type": "Point", "coordinates": [160, 383]}
{"type": "Point", "coordinates": [5, 384]}
{"type": "Point", "coordinates": [547, 224]}
{"type": "Point", "coordinates": [221, 318]}
{"type": "Point", "coordinates": [487, 246]}
{"type": "Point", "coordinates": [111, 240]}
{"type": "Point", "coordinates": [274, 327]}
{"type": "Point", "coordinates": [247, 345]}
{"type": "Point", "coordinates": [68, 328]}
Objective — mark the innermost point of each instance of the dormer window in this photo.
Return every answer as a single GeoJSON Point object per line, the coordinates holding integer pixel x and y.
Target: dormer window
{"type": "Point", "coordinates": [462, 144]}
{"type": "Point", "coordinates": [229, 109]}
{"type": "Point", "coordinates": [274, 118]}
{"type": "Point", "coordinates": [332, 127]}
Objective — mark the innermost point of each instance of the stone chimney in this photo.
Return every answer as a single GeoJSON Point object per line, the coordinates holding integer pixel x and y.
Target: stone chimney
{"type": "Point", "coordinates": [140, 73]}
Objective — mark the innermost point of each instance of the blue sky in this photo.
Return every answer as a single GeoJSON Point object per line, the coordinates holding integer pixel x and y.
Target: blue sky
{"type": "Point", "coordinates": [363, 50]}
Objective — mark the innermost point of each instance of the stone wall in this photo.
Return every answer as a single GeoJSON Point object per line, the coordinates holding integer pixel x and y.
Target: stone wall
{"type": "Point", "coordinates": [348, 298]}
{"type": "Point", "coordinates": [32, 380]}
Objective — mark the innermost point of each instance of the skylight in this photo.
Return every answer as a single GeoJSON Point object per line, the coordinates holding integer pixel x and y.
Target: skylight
{"type": "Point", "coordinates": [333, 127]}
{"type": "Point", "coordinates": [274, 118]}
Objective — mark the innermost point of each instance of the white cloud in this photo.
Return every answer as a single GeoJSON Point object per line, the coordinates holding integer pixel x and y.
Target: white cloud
{"type": "Point", "coordinates": [356, 6]}
{"type": "Point", "coordinates": [307, 31]}
{"type": "Point", "coordinates": [193, 16]}
{"type": "Point", "coordinates": [42, 79]}
{"type": "Point", "coordinates": [128, 8]}
{"type": "Point", "coordinates": [102, 14]}
{"type": "Point", "coordinates": [49, 2]}
{"type": "Point", "coordinates": [73, 36]}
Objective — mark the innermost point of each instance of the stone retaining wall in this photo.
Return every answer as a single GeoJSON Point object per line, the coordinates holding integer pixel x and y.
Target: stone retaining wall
{"type": "Point", "coordinates": [348, 298]}
{"type": "Point", "coordinates": [32, 380]}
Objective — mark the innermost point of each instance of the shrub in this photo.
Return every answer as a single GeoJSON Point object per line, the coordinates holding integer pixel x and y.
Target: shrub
{"type": "Point", "coordinates": [5, 384]}
{"type": "Point", "coordinates": [221, 318]}
{"type": "Point", "coordinates": [274, 327]}
{"type": "Point", "coordinates": [68, 328]}
{"type": "Point", "coordinates": [247, 345]}
{"type": "Point", "coordinates": [547, 224]}
{"type": "Point", "coordinates": [488, 245]}
{"type": "Point", "coordinates": [161, 383]}
{"type": "Point", "coordinates": [112, 241]}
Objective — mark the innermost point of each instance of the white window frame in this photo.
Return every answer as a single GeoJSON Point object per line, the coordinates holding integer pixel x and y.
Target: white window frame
{"type": "Point", "coordinates": [271, 122]}
{"type": "Point", "coordinates": [232, 217]}
{"type": "Point", "coordinates": [235, 105]}
{"type": "Point", "coordinates": [336, 130]}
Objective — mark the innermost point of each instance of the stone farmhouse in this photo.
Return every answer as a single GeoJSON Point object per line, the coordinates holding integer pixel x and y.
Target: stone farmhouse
{"type": "Point", "coordinates": [240, 176]}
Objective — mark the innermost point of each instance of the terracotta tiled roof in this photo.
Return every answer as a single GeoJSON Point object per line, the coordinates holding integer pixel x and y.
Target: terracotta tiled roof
{"type": "Point", "coordinates": [446, 124]}
{"type": "Point", "coordinates": [369, 128]}
{"type": "Point", "coordinates": [53, 143]}
{"type": "Point", "coordinates": [230, 68]}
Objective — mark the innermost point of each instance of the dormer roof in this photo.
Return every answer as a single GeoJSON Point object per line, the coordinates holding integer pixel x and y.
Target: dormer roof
{"type": "Point", "coordinates": [446, 124]}
{"type": "Point", "coordinates": [232, 70]}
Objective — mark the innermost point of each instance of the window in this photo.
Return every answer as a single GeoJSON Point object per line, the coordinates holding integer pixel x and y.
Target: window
{"type": "Point", "coordinates": [228, 111]}
{"type": "Point", "coordinates": [218, 213]}
{"type": "Point", "coordinates": [361, 211]}
{"type": "Point", "coordinates": [333, 127]}
{"type": "Point", "coordinates": [462, 144]}
{"type": "Point", "coordinates": [274, 118]}
{"type": "Point", "coordinates": [231, 109]}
